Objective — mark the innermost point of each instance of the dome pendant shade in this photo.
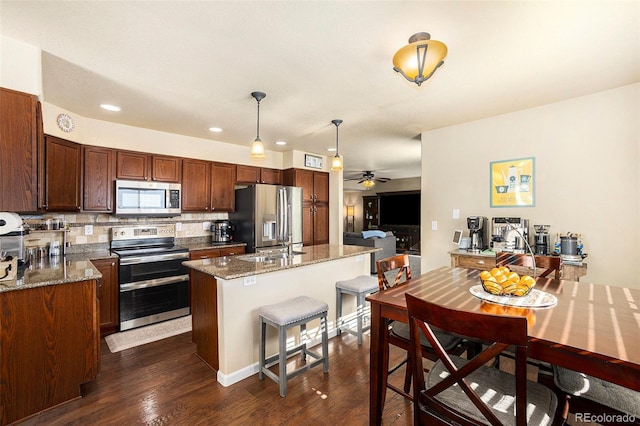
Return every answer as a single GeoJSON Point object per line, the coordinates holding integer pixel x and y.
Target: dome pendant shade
{"type": "Point", "coordinates": [257, 148]}
{"type": "Point", "coordinates": [418, 60]}
{"type": "Point", "coordinates": [336, 163]}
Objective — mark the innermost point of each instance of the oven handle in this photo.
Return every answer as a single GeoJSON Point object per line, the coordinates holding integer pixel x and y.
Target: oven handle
{"type": "Point", "coordinates": [153, 283]}
{"type": "Point", "coordinates": [157, 258]}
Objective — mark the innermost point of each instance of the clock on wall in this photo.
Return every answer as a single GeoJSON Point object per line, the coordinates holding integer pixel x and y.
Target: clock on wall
{"type": "Point", "coordinates": [65, 122]}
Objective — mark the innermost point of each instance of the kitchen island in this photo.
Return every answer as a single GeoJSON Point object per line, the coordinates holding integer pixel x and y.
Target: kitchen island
{"type": "Point", "coordinates": [226, 293]}
{"type": "Point", "coordinates": [49, 335]}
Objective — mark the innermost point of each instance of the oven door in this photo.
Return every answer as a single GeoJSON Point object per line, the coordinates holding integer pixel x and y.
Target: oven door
{"type": "Point", "coordinates": [153, 289]}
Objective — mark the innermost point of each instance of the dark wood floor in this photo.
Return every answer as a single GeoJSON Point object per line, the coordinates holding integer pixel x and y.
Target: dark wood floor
{"type": "Point", "coordinates": [165, 383]}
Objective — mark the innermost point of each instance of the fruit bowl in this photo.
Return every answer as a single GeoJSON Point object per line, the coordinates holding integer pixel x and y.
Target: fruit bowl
{"type": "Point", "coordinates": [502, 282]}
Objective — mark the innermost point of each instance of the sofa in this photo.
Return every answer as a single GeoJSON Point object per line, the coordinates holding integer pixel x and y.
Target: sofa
{"type": "Point", "coordinates": [384, 240]}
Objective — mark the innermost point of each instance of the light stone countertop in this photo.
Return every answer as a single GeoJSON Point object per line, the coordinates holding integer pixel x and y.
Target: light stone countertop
{"type": "Point", "coordinates": [230, 267]}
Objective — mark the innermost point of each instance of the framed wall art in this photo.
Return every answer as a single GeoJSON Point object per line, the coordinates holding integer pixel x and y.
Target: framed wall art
{"type": "Point", "coordinates": [512, 182]}
{"type": "Point", "coordinates": [313, 161]}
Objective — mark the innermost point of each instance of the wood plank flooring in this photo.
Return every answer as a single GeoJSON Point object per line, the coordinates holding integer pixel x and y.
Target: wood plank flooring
{"type": "Point", "coordinates": [165, 383]}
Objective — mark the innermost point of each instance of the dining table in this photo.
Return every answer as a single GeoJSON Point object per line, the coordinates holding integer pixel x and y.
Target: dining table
{"type": "Point", "coordinates": [591, 328]}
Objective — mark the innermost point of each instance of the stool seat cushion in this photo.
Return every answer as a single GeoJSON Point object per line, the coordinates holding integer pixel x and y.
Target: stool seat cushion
{"type": "Point", "coordinates": [361, 284]}
{"type": "Point", "coordinates": [293, 310]}
{"type": "Point", "coordinates": [574, 383]}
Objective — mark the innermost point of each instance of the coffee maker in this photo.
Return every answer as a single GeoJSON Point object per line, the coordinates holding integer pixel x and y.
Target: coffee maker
{"type": "Point", "coordinates": [542, 239]}
{"type": "Point", "coordinates": [478, 232]}
{"type": "Point", "coordinates": [222, 231]}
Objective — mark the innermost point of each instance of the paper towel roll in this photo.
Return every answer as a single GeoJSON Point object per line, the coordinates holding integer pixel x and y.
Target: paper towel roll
{"type": "Point", "coordinates": [9, 222]}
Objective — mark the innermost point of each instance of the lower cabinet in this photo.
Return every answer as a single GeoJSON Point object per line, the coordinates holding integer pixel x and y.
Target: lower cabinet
{"type": "Point", "coordinates": [50, 343]}
{"type": "Point", "coordinates": [108, 295]}
{"type": "Point", "coordinates": [209, 253]}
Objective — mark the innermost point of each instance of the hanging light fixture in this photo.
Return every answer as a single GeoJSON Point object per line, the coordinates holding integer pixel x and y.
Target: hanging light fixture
{"type": "Point", "coordinates": [336, 164]}
{"type": "Point", "coordinates": [257, 148]}
{"type": "Point", "coordinates": [369, 183]}
{"type": "Point", "coordinates": [418, 60]}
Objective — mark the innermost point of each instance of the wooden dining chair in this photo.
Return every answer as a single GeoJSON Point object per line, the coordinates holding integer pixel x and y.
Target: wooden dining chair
{"type": "Point", "coordinates": [545, 265]}
{"type": "Point", "coordinates": [468, 392]}
{"type": "Point", "coordinates": [398, 269]}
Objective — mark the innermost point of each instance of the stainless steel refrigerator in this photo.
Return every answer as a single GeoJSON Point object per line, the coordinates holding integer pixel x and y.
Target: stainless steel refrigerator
{"type": "Point", "coordinates": [267, 216]}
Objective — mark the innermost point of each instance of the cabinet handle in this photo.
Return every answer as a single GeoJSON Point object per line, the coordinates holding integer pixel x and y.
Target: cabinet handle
{"type": "Point", "coordinates": [206, 208]}
{"type": "Point", "coordinates": [480, 262]}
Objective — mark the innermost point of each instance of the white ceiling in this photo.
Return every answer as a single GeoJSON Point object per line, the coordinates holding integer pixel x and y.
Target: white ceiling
{"type": "Point", "coordinates": [184, 66]}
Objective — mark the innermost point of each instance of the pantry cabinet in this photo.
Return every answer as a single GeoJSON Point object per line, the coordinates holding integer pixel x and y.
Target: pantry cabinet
{"type": "Point", "coordinates": [97, 178]}
{"type": "Point", "coordinates": [63, 160]}
{"type": "Point", "coordinates": [21, 140]}
{"type": "Point", "coordinates": [315, 204]}
{"type": "Point", "coordinates": [142, 166]}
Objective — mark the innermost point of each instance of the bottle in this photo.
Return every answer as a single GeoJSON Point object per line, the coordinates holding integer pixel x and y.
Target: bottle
{"type": "Point", "coordinates": [579, 244]}
{"type": "Point", "coordinates": [556, 245]}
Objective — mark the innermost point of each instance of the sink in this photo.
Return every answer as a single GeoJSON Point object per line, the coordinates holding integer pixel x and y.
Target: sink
{"type": "Point", "coordinates": [266, 257]}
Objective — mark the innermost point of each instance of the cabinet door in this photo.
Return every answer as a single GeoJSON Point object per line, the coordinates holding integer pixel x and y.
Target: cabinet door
{"type": "Point", "coordinates": [223, 195]}
{"type": "Point", "coordinates": [271, 176]}
{"type": "Point", "coordinates": [304, 178]}
{"type": "Point", "coordinates": [321, 186]}
{"type": "Point", "coordinates": [108, 295]}
{"type": "Point", "coordinates": [18, 160]}
{"type": "Point", "coordinates": [204, 254]}
{"type": "Point", "coordinates": [132, 165]}
{"type": "Point", "coordinates": [166, 169]}
{"type": "Point", "coordinates": [247, 174]}
{"type": "Point", "coordinates": [307, 224]}
{"type": "Point", "coordinates": [98, 177]}
{"type": "Point", "coordinates": [62, 167]}
{"type": "Point", "coordinates": [231, 251]}
{"type": "Point", "coordinates": [321, 224]}
{"type": "Point", "coordinates": [196, 185]}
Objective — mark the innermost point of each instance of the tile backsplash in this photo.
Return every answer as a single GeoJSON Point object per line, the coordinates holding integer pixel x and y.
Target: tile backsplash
{"type": "Point", "coordinates": [77, 238]}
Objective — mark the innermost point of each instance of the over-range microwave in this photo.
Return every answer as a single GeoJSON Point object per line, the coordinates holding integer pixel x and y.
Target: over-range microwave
{"type": "Point", "coordinates": [151, 199]}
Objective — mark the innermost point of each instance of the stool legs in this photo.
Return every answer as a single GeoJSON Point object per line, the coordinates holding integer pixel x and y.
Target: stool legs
{"type": "Point", "coordinates": [360, 308]}
{"type": "Point", "coordinates": [325, 344]}
{"type": "Point", "coordinates": [339, 320]}
{"type": "Point", "coordinates": [283, 360]}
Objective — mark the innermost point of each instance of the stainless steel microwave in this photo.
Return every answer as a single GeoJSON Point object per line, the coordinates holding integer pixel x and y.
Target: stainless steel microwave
{"type": "Point", "coordinates": [151, 199]}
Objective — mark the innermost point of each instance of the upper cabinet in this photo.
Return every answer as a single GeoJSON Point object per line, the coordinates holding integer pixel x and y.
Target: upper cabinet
{"type": "Point", "coordinates": [207, 186]}
{"type": "Point", "coordinates": [250, 174]}
{"type": "Point", "coordinates": [141, 166]}
{"type": "Point", "coordinates": [21, 142]}
{"type": "Point", "coordinates": [315, 203]}
{"type": "Point", "coordinates": [98, 175]}
{"type": "Point", "coordinates": [63, 160]}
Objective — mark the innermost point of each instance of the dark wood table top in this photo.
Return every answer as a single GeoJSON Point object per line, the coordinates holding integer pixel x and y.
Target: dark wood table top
{"type": "Point", "coordinates": [593, 328]}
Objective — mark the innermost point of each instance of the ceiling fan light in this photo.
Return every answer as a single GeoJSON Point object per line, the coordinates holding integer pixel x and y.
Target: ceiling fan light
{"type": "Point", "coordinates": [368, 184]}
{"type": "Point", "coordinates": [257, 149]}
{"type": "Point", "coordinates": [418, 60]}
{"type": "Point", "coordinates": [336, 164]}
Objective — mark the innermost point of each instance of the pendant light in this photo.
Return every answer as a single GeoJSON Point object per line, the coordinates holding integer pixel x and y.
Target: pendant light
{"type": "Point", "coordinates": [418, 60]}
{"type": "Point", "coordinates": [257, 148]}
{"type": "Point", "coordinates": [336, 164]}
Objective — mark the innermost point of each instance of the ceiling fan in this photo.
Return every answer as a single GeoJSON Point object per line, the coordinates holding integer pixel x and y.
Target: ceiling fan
{"type": "Point", "coordinates": [368, 179]}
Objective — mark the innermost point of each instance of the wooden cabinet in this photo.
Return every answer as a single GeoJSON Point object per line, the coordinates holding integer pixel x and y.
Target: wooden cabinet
{"type": "Point", "coordinates": [223, 195]}
{"type": "Point", "coordinates": [207, 186]}
{"type": "Point", "coordinates": [63, 160]}
{"type": "Point", "coordinates": [20, 143]}
{"type": "Point", "coordinates": [251, 174]}
{"type": "Point", "coordinates": [315, 204]}
{"type": "Point", "coordinates": [370, 212]}
{"type": "Point", "coordinates": [142, 166]}
{"type": "Point", "coordinates": [209, 253]}
{"type": "Point", "coordinates": [108, 295]}
{"type": "Point", "coordinates": [473, 261]}
{"type": "Point", "coordinates": [50, 343]}
{"type": "Point", "coordinates": [98, 166]}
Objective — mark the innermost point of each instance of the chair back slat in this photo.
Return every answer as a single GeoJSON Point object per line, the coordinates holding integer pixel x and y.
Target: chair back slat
{"type": "Point", "coordinates": [399, 263]}
{"type": "Point", "coordinates": [502, 333]}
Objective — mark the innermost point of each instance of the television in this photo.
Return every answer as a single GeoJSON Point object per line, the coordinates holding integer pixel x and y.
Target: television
{"type": "Point", "coordinates": [399, 208]}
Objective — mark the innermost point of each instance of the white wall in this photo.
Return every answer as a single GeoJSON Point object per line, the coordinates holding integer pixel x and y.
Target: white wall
{"type": "Point", "coordinates": [20, 66]}
{"type": "Point", "coordinates": [587, 177]}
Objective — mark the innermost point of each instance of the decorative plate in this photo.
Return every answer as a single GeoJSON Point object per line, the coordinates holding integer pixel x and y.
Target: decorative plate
{"type": "Point", "coordinates": [65, 122]}
{"type": "Point", "coordinates": [534, 299]}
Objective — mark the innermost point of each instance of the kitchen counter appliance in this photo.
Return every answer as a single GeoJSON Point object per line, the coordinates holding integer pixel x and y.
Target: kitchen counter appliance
{"type": "Point", "coordinates": [478, 232]}
{"type": "Point", "coordinates": [268, 217]}
{"type": "Point", "coordinates": [222, 231]}
{"type": "Point", "coordinates": [153, 283]}
{"type": "Point", "coordinates": [147, 199]}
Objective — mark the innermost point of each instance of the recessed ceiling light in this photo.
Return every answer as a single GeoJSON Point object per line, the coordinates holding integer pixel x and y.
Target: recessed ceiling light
{"type": "Point", "coordinates": [281, 143]}
{"type": "Point", "coordinates": [215, 129]}
{"type": "Point", "coordinates": [331, 149]}
{"type": "Point", "coordinates": [110, 107]}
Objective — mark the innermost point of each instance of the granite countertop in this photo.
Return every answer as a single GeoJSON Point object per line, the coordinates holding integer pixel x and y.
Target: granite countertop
{"type": "Point", "coordinates": [230, 267]}
{"type": "Point", "coordinates": [54, 270]}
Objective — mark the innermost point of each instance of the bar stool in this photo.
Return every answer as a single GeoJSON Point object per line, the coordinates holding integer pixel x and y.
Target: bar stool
{"type": "Point", "coordinates": [283, 316]}
{"type": "Point", "coordinates": [359, 287]}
